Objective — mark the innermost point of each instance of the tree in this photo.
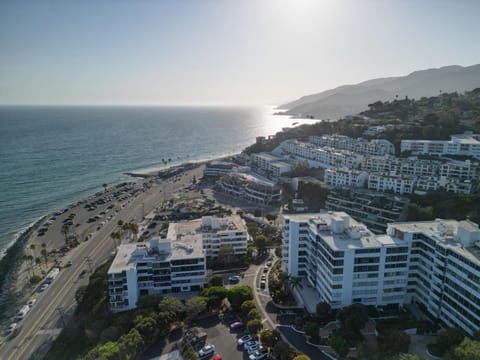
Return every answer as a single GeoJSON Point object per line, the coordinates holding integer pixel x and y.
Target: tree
{"type": "Point", "coordinates": [44, 253]}
{"type": "Point", "coordinates": [269, 337]}
{"type": "Point", "coordinates": [195, 306]}
{"type": "Point", "coordinates": [131, 343]}
{"type": "Point", "coordinates": [312, 330]}
{"type": "Point", "coordinates": [216, 280]}
{"type": "Point", "coordinates": [254, 326]}
{"type": "Point", "coordinates": [295, 282]}
{"type": "Point", "coordinates": [254, 314]}
{"type": "Point", "coordinates": [340, 345]}
{"type": "Point", "coordinates": [467, 350]}
{"type": "Point", "coordinates": [215, 296]}
{"type": "Point", "coordinates": [261, 243]}
{"type": "Point", "coordinates": [247, 306]}
{"type": "Point", "coordinates": [394, 342]}
{"type": "Point", "coordinates": [226, 254]}
{"type": "Point", "coordinates": [109, 350]}
{"type": "Point", "coordinates": [405, 357]}
{"type": "Point", "coordinates": [146, 326]}
{"type": "Point", "coordinates": [171, 305]}
{"type": "Point", "coordinates": [282, 351]}
{"type": "Point", "coordinates": [353, 317]}
{"type": "Point", "coordinates": [65, 230]}
{"type": "Point", "coordinates": [301, 357]}
{"type": "Point", "coordinates": [449, 339]}
{"type": "Point", "coordinates": [257, 212]}
{"type": "Point", "coordinates": [323, 309]}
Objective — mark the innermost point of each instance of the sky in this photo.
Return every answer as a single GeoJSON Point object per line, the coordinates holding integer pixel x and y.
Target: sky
{"type": "Point", "coordinates": [207, 52]}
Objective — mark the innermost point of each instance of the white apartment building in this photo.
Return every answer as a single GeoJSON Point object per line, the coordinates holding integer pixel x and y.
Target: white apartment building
{"type": "Point", "coordinates": [155, 268]}
{"type": "Point", "coordinates": [360, 146]}
{"type": "Point", "coordinates": [214, 233]}
{"type": "Point", "coordinates": [399, 184]}
{"type": "Point", "coordinates": [336, 177]}
{"type": "Point", "coordinates": [463, 170]}
{"type": "Point", "coordinates": [444, 269]}
{"type": "Point", "coordinates": [270, 164]}
{"type": "Point", "coordinates": [433, 263]}
{"type": "Point", "coordinates": [467, 144]}
{"type": "Point", "coordinates": [218, 168]}
{"type": "Point", "coordinates": [344, 261]}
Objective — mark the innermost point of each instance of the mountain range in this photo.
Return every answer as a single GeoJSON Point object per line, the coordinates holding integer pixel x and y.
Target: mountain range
{"type": "Point", "coordinates": [352, 99]}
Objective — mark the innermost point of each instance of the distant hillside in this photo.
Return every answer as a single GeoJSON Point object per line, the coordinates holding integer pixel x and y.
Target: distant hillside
{"type": "Point", "coordinates": [352, 99]}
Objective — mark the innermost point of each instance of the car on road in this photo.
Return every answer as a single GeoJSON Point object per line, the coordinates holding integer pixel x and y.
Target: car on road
{"type": "Point", "coordinates": [264, 277]}
{"type": "Point", "coordinates": [207, 350]}
{"type": "Point", "coordinates": [265, 269]}
{"type": "Point", "coordinates": [69, 263]}
{"type": "Point", "coordinates": [269, 263]}
{"type": "Point", "coordinates": [263, 284]}
{"type": "Point", "coordinates": [244, 339]}
{"type": "Point", "coordinates": [31, 302]}
{"type": "Point", "coordinates": [43, 287]}
{"type": "Point", "coordinates": [234, 279]}
{"type": "Point", "coordinates": [237, 326]}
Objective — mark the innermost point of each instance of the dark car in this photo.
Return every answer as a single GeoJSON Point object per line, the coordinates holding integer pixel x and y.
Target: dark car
{"type": "Point", "coordinates": [237, 326]}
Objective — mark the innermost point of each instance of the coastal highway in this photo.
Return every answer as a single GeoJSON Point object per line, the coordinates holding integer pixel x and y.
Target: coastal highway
{"type": "Point", "coordinates": [43, 322]}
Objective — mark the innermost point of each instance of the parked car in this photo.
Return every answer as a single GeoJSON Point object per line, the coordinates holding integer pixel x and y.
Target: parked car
{"type": "Point", "coordinates": [264, 277]}
{"type": "Point", "coordinates": [11, 328]}
{"type": "Point", "coordinates": [237, 326]}
{"type": "Point", "coordinates": [250, 343]}
{"type": "Point", "coordinates": [234, 279]}
{"type": "Point", "coordinates": [244, 339]}
{"type": "Point", "coordinates": [251, 349]}
{"type": "Point", "coordinates": [31, 302]}
{"type": "Point", "coordinates": [263, 284]}
{"type": "Point", "coordinates": [258, 355]}
{"type": "Point", "coordinates": [43, 287]}
{"type": "Point", "coordinates": [207, 350]}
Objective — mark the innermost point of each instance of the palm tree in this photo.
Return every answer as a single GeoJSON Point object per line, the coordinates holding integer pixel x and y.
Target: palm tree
{"type": "Point", "coordinates": [44, 253]}
{"type": "Point", "coordinates": [295, 282]}
{"type": "Point", "coordinates": [115, 235]}
{"type": "Point", "coordinates": [65, 230]}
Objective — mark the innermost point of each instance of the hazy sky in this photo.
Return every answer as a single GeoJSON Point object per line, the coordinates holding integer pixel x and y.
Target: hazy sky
{"type": "Point", "coordinates": [221, 52]}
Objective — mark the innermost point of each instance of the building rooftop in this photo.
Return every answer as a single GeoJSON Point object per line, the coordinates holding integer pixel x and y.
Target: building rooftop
{"type": "Point", "coordinates": [342, 232]}
{"type": "Point", "coordinates": [128, 255]}
{"type": "Point", "coordinates": [194, 228]}
{"type": "Point", "coordinates": [460, 236]}
{"type": "Point", "coordinates": [253, 178]}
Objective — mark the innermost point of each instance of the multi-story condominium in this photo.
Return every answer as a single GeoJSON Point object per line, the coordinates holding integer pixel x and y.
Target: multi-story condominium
{"type": "Point", "coordinates": [463, 170]}
{"type": "Point", "coordinates": [433, 263]}
{"type": "Point", "coordinates": [250, 187]}
{"type": "Point", "coordinates": [467, 144]}
{"type": "Point", "coordinates": [373, 208]}
{"type": "Point", "coordinates": [214, 232]}
{"type": "Point", "coordinates": [375, 130]}
{"type": "Point", "coordinates": [299, 148]}
{"type": "Point", "coordinates": [448, 184]}
{"type": "Point", "coordinates": [444, 269]}
{"type": "Point", "coordinates": [218, 168]}
{"type": "Point", "coordinates": [399, 184]}
{"type": "Point", "coordinates": [380, 163]}
{"type": "Point", "coordinates": [336, 177]}
{"type": "Point", "coordinates": [344, 261]}
{"type": "Point", "coordinates": [270, 164]}
{"type": "Point", "coordinates": [155, 268]}
{"type": "Point", "coordinates": [360, 146]}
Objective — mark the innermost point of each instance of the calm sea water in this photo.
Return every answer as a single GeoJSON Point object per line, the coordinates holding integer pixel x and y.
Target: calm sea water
{"type": "Point", "coordinates": [52, 156]}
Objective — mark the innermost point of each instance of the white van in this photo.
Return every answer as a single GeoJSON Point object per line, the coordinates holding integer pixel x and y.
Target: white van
{"type": "Point", "coordinates": [23, 311]}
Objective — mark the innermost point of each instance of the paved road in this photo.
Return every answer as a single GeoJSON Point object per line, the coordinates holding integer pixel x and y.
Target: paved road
{"type": "Point", "coordinates": [43, 322]}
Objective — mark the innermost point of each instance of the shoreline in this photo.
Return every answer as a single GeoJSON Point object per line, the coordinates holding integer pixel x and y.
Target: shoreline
{"type": "Point", "coordinates": [11, 262]}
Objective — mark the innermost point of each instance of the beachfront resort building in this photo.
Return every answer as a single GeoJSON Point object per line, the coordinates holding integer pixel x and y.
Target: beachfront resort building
{"type": "Point", "coordinates": [214, 233]}
{"type": "Point", "coordinates": [156, 267]}
{"type": "Point", "coordinates": [359, 146]}
{"type": "Point", "coordinates": [466, 144]}
{"type": "Point", "coordinates": [218, 168]}
{"type": "Point", "coordinates": [339, 177]}
{"type": "Point", "coordinates": [435, 264]}
{"type": "Point", "coordinates": [250, 187]}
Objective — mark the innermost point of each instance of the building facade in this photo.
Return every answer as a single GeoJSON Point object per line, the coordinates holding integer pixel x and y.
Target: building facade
{"type": "Point", "coordinates": [250, 187]}
{"type": "Point", "coordinates": [435, 264]}
{"type": "Point", "coordinates": [155, 268]}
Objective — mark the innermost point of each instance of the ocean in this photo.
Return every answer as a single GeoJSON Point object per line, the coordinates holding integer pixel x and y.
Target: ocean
{"type": "Point", "coordinates": [53, 156]}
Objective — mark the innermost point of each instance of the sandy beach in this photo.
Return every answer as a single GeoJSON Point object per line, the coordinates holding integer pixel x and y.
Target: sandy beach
{"type": "Point", "coordinates": [131, 201]}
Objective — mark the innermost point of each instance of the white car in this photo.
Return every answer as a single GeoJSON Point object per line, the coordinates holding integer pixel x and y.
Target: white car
{"type": "Point", "coordinates": [206, 350]}
{"type": "Point", "coordinates": [11, 328]}
{"type": "Point", "coordinates": [31, 302]}
{"type": "Point", "coordinates": [244, 339]}
{"type": "Point", "coordinates": [43, 287]}
{"type": "Point", "coordinates": [258, 355]}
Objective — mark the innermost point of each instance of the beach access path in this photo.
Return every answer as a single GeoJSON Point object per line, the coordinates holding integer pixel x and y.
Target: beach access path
{"type": "Point", "coordinates": [45, 320]}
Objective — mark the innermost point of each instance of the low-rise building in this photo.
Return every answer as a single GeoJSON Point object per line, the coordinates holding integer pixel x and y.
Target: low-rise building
{"type": "Point", "coordinates": [270, 165]}
{"type": "Point", "coordinates": [250, 187]}
{"type": "Point", "coordinates": [218, 168]}
{"type": "Point", "coordinates": [360, 146]}
{"type": "Point", "coordinates": [156, 267]}
{"type": "Point", "coordinates": [340, 177]}
{"type": "Point", "coordinates": [467, 144]}
{"type": "Point", "coordinates": [399, 184]}
{"type": "Point", "coordinates": [214, 232]}
{"type": "Point", "coordinates": [373, 208]}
